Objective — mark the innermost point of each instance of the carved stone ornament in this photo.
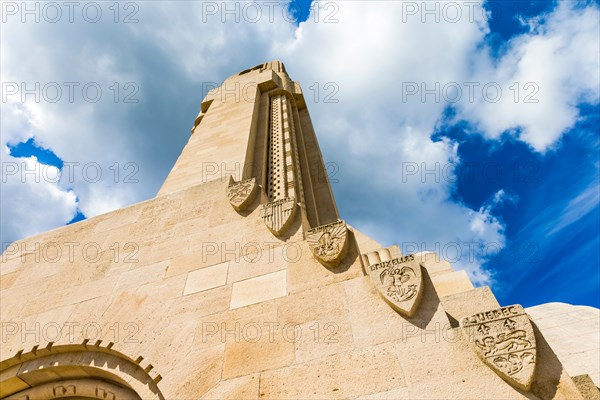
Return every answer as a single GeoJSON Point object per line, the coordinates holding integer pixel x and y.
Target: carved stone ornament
{"type": "Point", "coordinates": [400, 282]}
{"type": "Point", "coordinates": [328, 243]}
{"type": "Point", "coordinates": [279, 214]}
{"type": "Point", "coordinates": [505, 341]}
{"type": "Point", "coordinates": [241, 193]}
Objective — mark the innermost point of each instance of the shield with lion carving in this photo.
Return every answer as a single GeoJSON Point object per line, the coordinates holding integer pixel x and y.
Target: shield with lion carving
{"type": "Point", "coordinates": [504, 339]}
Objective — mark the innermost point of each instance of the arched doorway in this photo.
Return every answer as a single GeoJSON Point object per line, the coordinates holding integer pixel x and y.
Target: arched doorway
{"type": "Point", "coordinates": [76, 371]}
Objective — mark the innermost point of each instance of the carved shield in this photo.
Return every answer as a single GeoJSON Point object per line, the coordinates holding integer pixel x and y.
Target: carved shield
{"type": "Point", "coordinates": [279, 214]}
{"type": "Point", "coordinates": [505, 341]}
{"type": "Point", "coordinates": [399, 281]}
{"type": "Point", "coordinates": [241, 193]}
{"type": "Point", "coordinates": [328, 243]}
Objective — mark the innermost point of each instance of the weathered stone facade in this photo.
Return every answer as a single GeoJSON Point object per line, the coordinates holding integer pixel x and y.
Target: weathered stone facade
{"type": "Point", "coordinates": [239, 280]}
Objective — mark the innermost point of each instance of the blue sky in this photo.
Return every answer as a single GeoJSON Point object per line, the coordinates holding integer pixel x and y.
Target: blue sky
{"type": "Point", "coordinates": [552, 248]}
{"type": "Point", "coordinates": [518, 177]}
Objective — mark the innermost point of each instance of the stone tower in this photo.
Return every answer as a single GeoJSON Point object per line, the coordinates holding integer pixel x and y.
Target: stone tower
{"type": "Point", "coordinates": [240, 280]}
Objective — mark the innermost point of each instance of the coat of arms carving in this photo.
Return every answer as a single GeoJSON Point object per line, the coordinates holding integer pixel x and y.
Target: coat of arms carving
{"type": "Point", "coordinates": [241, 193]}
{"type": "Point", "coordinates": [328, 243]}
{"type": "Point", "coordinates": [279, 214]}
{"type": "Point", "coordinates": [399, 281]}
{"type": "Point", "coordinates": [504, 339]}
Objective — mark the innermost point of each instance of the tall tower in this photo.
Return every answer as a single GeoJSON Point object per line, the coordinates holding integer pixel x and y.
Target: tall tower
{"type": "Point", "coordinates": [268, 137]}
{"type": "Point", "coordinates": [239, 280]}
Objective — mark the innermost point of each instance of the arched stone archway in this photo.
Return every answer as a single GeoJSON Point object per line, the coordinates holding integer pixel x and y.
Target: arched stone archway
{"type": "Point", "coordinates": [81, 371]}
{"type": "Point", "coordinates": [76, 388]}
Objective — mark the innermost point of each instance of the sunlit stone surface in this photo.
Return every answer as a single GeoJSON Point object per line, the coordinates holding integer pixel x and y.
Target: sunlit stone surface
{"type": "Point", "coordinates": [218, 289]}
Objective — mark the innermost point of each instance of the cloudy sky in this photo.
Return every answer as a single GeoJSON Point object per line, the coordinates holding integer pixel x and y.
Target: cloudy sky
{"type": "Point", "coordinates": [463, 127]}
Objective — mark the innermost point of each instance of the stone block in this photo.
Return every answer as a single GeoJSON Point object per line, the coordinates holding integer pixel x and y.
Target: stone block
{"type": "Point", "coordinates": [259, 289]}
{"type": "Point", "coordinates": [194, 374]}
{"type": "Point", "coordinates": [255, 260]}
{"type": "Point", "coordinates": [314, 304]}
{"type": "Point", "coordinates": [467, 303]}
{"type": "Point", "coordinates": [307, 273]}
{"type": "Point", "coordinates": [439, 364]}
{"type": "Point", "coordinates": [371, 317]}
{"type": "Point", "coordinates": [315, 339]}
{"type": "Point", "coordinates": [451, 283]}
{"type": "Point", "coordinates": [141, 276]}
{"type": "Point", "coordinates": [434, 264]}
{"type": "Point", "coordinates": [347, 375]}
{"type": "Point", "coordinates": [203, 303]}
{"type": "Point", "coordinates": [256, 344]}
{"type": "Point", "coordinates": [206, 278]}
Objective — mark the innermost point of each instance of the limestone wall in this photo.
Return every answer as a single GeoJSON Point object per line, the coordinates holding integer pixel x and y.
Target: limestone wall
{"type": "Point", "coordinates": [222, 308]}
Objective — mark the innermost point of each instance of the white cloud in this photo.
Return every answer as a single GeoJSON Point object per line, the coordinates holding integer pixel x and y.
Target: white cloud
{"type": "Point", "coordinates": [31, 204]}
{"type": "Point", "coordinates": [31, 200]}
{"type": "Point", "coordinates": [544, 75]}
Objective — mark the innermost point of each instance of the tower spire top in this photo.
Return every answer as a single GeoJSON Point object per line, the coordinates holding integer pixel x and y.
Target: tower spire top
{"type": "Point", "coordinates": [256, 126]}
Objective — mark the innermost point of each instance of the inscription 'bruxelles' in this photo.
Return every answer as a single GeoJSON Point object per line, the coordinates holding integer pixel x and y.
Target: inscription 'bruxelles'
{"type": "Point", "coordinates": [399, 281]}
{"type": "Point", "coordinates": [395, 261]}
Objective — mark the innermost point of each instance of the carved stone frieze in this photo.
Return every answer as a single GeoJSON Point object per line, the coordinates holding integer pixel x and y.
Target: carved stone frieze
{"type": "Point", "coordinates": [328, 243]}
{"type": "Point", "coordinates": [399, 281]}
{"type": "Point", "coordinates": [241, 193]}
{"type": "Point", "coordinates": [279, 214]}
{"type": "Point", "coordinates": [505, 341]}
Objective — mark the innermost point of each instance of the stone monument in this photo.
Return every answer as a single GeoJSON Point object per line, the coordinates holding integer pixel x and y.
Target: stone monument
{"type": "Point", "coordinates": [239, 280]}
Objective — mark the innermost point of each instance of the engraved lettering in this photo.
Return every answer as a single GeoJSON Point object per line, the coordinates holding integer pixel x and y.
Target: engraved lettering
{"type": "Point", "coordinates": [399, 281]}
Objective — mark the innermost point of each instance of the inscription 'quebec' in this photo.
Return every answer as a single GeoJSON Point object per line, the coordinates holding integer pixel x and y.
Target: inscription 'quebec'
{"type": "Point", "coordinates": [505, 341]}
